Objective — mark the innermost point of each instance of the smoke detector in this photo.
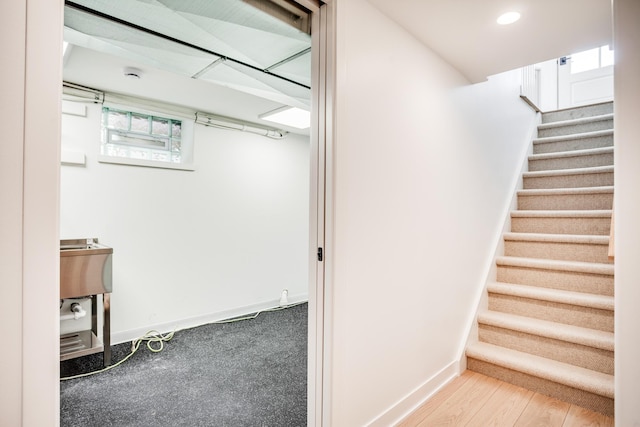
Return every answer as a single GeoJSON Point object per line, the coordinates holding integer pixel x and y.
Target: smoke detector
{"type": "Point", "coordinates": [132, 73]}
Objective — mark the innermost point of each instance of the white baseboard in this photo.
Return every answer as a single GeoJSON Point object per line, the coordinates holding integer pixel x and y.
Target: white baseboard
{"type": "Point", "coordinates": [417, 397]}
{"type": "Point", "coordinates": [191, 322]}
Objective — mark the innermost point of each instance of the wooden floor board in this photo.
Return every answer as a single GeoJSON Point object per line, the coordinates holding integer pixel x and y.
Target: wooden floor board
{"type": "Point", "coordinates": [476, 400]}
{"type": "Point", "coordinates": [504, 408]}
{"type": "Point", "coordinates": [580, 417]}
{"type": "Point", "coordinates": [432, 404]}
{"type": "Point", "coordinates": [543, 411]}
{"type": "Point", "coordinates": [462, 405]}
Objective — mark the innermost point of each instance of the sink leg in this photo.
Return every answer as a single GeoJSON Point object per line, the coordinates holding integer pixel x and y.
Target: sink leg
{"type": "Point", "coordinates": [94, 317]}
{"type": "Point", "coordinates": [106, 328]}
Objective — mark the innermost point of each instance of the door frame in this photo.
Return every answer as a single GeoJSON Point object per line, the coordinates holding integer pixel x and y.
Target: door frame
{"type": "Point", "coordinates": [35, 278]}
{"type": "Point", "coordinates": [30, 247]}
{"type": "Point", "coordinates": [320, 221]}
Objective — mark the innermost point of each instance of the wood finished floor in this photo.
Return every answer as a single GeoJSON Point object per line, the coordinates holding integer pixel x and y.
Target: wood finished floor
{"type": "Point", "coordinates": [474, 399]}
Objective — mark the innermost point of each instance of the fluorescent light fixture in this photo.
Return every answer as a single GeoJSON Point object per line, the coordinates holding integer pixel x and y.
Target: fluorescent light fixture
{"type": "Point", "coordinates": [508, 18]}
{"type": "Point", "coordinates": [289, 116]}
{"type": "Point", "coordinates": [65, 45]}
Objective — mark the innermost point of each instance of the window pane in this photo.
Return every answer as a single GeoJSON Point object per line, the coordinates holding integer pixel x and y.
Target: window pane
{"type": "Point", "coordinates": [160, 126]}
{"type": "Point", "coordinates": [585, 61]}
{"type": "Point", "coordinates": [141, 136]}
{"type": "Point", "coordinates": [114, 137]}
{"type": "Point", "coordinates": [176, 129]}
{"type": "Point", "coordinates": [139, 123]}
{"type": "Point", "coordinates": [606, 56]}
{"type": "Point", "coordinates": [138, 154]}
{"type": "Point", "coordinates": [117, 120]}
{"type": "Point", "coordinates": [115, 150]}
{"type": "Point", "coordinates": [160, 156]}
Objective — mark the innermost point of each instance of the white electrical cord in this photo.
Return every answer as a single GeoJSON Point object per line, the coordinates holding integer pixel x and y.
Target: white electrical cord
{"type": "Point", "coordinates": [253, 316]}
{"type": "Point", "coordinates": [156, 337]}
{"type": "Point", "coordinates": [150, 337]}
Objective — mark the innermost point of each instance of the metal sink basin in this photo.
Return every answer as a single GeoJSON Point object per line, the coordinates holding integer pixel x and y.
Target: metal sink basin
{"type": "Point", "coordinates": [85, 268]}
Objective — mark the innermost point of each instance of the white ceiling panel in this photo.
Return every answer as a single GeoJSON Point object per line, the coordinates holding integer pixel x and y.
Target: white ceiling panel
{"type": "Point", "coordinates": [186, 36]}
{"type": "Point", "coordinates": [250, 45]}
{"type": "Point", "coordinates": [465, 33]}
{"type": "Point", "coordinates": [298, 69]}
{"type": "Point", "coordinates": [161, 55]}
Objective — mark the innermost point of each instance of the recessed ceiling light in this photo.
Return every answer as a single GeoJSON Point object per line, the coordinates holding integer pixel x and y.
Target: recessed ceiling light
{"type": "Point", "coordinates": [289, 116]}
{"type": "Point", "coordinates": [508, 18]}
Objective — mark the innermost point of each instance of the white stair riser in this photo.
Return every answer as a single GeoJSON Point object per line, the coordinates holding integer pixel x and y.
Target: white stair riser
{"type": "Point", "coordinates": [569, 314]}
{"type": "Point", "coordinates": [550, 388]}
{"type": "Point", "coordinates": [572, 144]}
{"type": "Point", "coordinates": [557, 279]}
{"type": "Point", "coordinates": [561, 225]}
{"type": "Point", "coordinates": [597, 201]}
{"type": "Point", "coordinates": [602, 179]}
{"type": "Point", "coordinates": [574, 162]}
{"type": "Point", "coordinates": [580, 355]}
{"type": "Point", "coordinates": [578, 113]}
{"type": "Point", "coordinates": [576, 128]}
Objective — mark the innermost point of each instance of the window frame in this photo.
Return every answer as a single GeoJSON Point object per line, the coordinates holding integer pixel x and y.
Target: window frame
{"type": "Point", "coordinates": [184, 141]}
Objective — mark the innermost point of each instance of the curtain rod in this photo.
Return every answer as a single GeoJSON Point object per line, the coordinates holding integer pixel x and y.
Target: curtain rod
{"type": "Point", "coordinates": [91, 95]}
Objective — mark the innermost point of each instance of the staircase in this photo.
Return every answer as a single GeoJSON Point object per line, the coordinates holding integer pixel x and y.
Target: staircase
{"type": "Point", "coordinates": [549, 322]}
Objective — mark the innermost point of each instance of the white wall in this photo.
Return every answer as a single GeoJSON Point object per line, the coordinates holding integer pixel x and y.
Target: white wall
{"type": "Point", "coordinates": [191, 247]}
{"type": "Point", "coordinates": [29, 248]}
{"type": "Point", "coordinates": [424, 171]}
{"type": "Point", "coordinates": [627, 206]}
{"type": "Point", "coordinates": [548, 85]}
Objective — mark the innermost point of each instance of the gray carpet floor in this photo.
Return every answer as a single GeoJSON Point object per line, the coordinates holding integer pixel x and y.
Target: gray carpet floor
{"type": "Point", "coordinates": [248, 373]}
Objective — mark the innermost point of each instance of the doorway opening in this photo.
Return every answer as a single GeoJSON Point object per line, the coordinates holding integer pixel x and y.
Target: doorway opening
{"type": "Point", "coordinates": [216, 238]}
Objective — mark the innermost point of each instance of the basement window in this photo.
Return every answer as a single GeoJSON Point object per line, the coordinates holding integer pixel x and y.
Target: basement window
{"type": "Point", "coordinates": [140, 139]}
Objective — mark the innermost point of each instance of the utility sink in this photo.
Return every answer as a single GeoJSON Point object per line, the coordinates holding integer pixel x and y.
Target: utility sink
{"type": "Point", "coordinates": [85, 271]}
{"type": "Point", "coordinates": [85, 268]}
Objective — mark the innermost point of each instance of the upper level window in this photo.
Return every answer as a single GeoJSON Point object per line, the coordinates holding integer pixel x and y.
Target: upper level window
{"type": "Point", "coordinates": [591, 59]}
{"type": "Point", "coordinates": [142, 139]}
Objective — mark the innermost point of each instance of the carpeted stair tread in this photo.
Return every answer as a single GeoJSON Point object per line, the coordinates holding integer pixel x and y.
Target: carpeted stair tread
{"type": "Point", "coordinates": [578, 121]}
{"type": "Point", "coordinates": [563, 172]}
{"type": "Point", "coordinates": [571, 156]}
{"type": "Point", "coordinates": [559, 331]}
{"type": "Point", "coordinates": [566, 191]}
{"type": "Point", "coordinates": [576, 126]}
{"type": "Point", "coordinates": [583, 135]}
{"type": "Point", "coordinates": [578, 112]}
{"type": "Point", "coordinates": [587, 222]}
{"type": "Point", "coordinates": [582, 299]}
{"type": "Point", "coordinates": [571, 153]}
{"type": "Point", "coordinates": [557, 238]}
{"type": "Point", "coordinates": [559, 372]}
{"type": "Point", "coordinates": [561, 214]}
{"type": "Point", "coordinates": [548, 323]}
{"type": "Point", "coordinates": [549, 264]}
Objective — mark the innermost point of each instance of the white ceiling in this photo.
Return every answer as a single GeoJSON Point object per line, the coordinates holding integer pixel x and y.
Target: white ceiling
{"type": "Point", "coordinates": [465, 34]}
{"type": "Point", "coordinates": [207, 55]}
{"type": "Point", "coordinates": [462, 32]}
